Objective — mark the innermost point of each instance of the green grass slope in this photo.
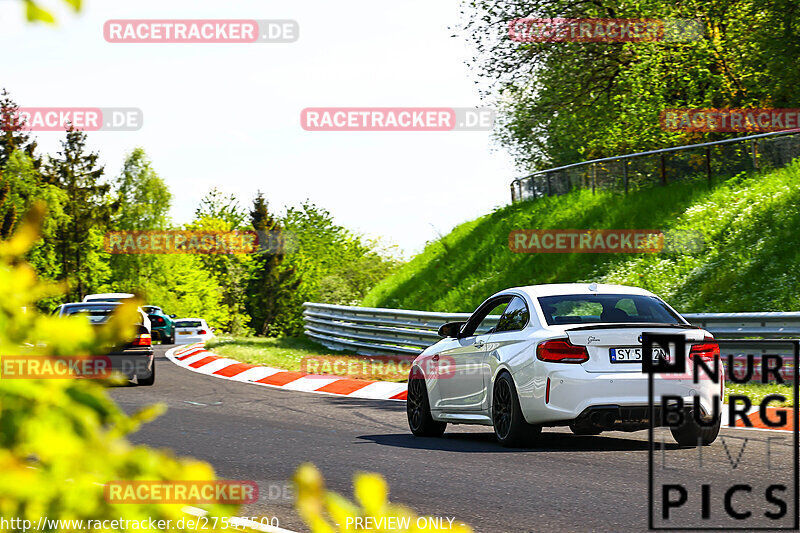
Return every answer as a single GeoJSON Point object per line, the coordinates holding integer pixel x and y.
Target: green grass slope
{"type": "Point", "coordinates": [749, 263]}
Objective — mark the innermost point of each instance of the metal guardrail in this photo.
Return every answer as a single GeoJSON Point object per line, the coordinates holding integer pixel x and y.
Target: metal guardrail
{"type": "Point", "coordinates": [377, 331]}
{"type": "Point", "coordinates": [689, 162]}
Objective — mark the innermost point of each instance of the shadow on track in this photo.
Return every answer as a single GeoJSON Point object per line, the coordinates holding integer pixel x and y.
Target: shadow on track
{"type": "Point", "coordinates": [486, 443]}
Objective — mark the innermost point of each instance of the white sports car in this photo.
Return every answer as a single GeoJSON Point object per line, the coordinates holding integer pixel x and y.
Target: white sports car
{"type": "Point", "coordinates": [558, 355]}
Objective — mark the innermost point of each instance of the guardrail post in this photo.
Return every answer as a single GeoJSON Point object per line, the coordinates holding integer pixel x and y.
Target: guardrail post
{"type": "Point", "coordinates": [625, 174]}
{"type": "Point", "coordinates": [549, 191]}
{"type": "Point", "coordinates": [663, 169]}
{"type": "Point", "coordinates": [754, 152]}
{"type": "Point", "coordinates": [594, 177]}
{"type": "Point", "coordinates": [708, 165]}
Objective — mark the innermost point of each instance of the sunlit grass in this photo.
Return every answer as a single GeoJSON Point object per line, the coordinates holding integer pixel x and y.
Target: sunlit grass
{"type": "Point", "coordinates": [758, 391]}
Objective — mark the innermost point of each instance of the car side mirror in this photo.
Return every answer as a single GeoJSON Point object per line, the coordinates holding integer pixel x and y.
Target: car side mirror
{"type": "Point", "coordinates": [451, 329]}
{"type": "Point", "coordinates": [173, 316]}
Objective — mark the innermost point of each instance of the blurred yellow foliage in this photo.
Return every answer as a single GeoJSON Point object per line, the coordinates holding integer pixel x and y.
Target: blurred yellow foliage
{"type": "Point", "coordinates": [328, 512]}
{"type": "Point", "coordinates": [62, 439]}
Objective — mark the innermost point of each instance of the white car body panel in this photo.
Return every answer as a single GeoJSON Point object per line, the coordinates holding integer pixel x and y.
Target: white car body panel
{"type": "Point", "coordinates": [107, 297]}
{"type": "Point", "coordinates": [465, 395]}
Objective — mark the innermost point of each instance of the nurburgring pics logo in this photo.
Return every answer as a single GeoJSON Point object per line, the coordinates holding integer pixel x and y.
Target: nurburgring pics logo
{"type": "Point", "coordinates": [553, 241]}
{"type": "Point", "coordinates": [607, 30]}
{"type": "Point", "coordinates": [81, 118]}
{"type": "Point", "coordinates": [397, 119]}
{"type": "Point", "coordinates": [754, 487]}
{"type": "Point", "coordinates": [201, 31]}
{"type": "Point", "coordinates": [182, 492]}
{"type": "Point", "coordinates": [729, 120]}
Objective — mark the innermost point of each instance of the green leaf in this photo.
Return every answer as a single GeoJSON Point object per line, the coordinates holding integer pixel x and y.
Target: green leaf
{"type": "Point", "coordinates": [34, 13]}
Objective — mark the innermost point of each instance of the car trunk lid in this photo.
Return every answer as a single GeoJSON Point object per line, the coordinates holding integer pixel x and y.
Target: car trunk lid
{"type": "Point", "coordinates": [601, 339]}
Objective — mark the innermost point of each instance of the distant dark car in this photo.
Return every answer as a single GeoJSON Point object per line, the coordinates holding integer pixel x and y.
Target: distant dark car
{"type": "Point", "coordinates": [162, 327]}
{"type": "Point", "coordinates": [134, 358]}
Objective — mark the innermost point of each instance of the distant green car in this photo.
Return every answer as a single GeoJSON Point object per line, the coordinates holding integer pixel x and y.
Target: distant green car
{"type": "Point", "coordinates": [161, 324]}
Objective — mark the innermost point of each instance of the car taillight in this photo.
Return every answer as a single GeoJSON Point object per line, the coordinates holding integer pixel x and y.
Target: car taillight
{"type": "Point", "coordinates": [201, 332]}
{"type": "Point", "coordinates": [157, 320]}
{"type": "Point", "coordinates": [143, 339]}
{"type": "Point", "coordinates": [707, 351]}
{"type": "Point", "coordinates": [561, 351]}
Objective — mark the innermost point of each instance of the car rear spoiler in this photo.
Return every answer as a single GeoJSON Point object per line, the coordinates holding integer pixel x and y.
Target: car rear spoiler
{"type": "Point", "coordinates": [640, 325]}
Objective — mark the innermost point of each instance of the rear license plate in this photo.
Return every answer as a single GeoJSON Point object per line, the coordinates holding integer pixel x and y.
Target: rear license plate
{"type": "Point", "coordinates": [634, 355]}
{"type": "Point", "coordinates": [184, 333]}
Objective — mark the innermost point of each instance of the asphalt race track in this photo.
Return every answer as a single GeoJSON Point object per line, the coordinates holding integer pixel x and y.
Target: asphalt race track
{"type": "Point", "coordinates": [567, 483]}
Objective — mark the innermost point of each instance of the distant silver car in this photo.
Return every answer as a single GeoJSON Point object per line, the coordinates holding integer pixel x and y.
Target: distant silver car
{"type": "Point", "coordinates": [563, 354]}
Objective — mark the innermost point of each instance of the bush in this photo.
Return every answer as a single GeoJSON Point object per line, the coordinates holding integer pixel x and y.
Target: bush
{"type": "Point", "coordinates": [62, 439]}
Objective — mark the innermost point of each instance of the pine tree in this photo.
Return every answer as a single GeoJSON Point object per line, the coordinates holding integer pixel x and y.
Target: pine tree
{"type": "Point", "coordinates": [13, 135]}
{"type": "Point", "coordinates": [88, 209]}
{"type": "Point", "coordinates": [270, 279]}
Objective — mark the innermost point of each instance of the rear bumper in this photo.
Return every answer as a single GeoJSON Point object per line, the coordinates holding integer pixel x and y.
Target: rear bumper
{"type": "Point", "coordinates": [574, 395]}
{"type": "Point", "coordinates": [132, 362]}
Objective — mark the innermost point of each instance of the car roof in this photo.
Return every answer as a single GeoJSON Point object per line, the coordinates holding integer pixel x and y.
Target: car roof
{"type": "Point", "coordinates": [90, 303]}
{"type": "Point", "coordinates": [90, 297]}
{"type": "Point", "coordinates": [198, 319]}
{"type": "Point", "coordinates": [556, 289]}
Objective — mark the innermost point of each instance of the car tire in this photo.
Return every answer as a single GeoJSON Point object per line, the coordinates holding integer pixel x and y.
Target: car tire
{"type": "Point", "coordinates": [510, 426]}
{"type": "Point", "coordinates": [147, 382]}
{"type": "Point", "coordinates": [418, 410]}
{"type": "Point", "coordinates": [171, 340]}
{"type": "Point", "coordinates": [690, 433]}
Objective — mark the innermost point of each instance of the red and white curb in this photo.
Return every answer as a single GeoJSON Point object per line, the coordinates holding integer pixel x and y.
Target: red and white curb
{"type": "Point", "coordinates": [197, 359]}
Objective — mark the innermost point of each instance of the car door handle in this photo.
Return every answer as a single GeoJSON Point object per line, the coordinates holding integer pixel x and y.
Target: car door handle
{"type": "Point", "coordinates": [478, 344]}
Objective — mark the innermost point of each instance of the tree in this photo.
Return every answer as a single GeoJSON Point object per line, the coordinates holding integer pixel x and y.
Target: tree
{"type": "Point", "coordinates": [270, 282]}
{"type": "Point", "coordinates": [143, 202]}
{"type": "Point", "coordinates": [88, 208]}
{"type": "Point", "coordinates": [562, 102]}
{"type": "Point", "coordinates": [13, 133]}
{"type": "Point", "coordinates": [21, 186]}
{"type": "Point", "coordinates": [335, 266]}
{"type": "Point", "coordinates": [218, 212]}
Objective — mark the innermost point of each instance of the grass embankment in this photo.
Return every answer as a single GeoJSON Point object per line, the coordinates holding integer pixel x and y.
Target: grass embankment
{"type": "Point", "coordinates": [302, 355]}
{"type": "Point", "coordinates": [749, 262]}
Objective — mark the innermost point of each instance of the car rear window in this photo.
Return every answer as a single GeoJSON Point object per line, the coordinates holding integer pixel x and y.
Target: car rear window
{"type": "Point", "coordinates": [606, 308]}
{"type": "Point", "coordinates": [97, 313]}
{"type": "Point", "coordinates": [187, 324]}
